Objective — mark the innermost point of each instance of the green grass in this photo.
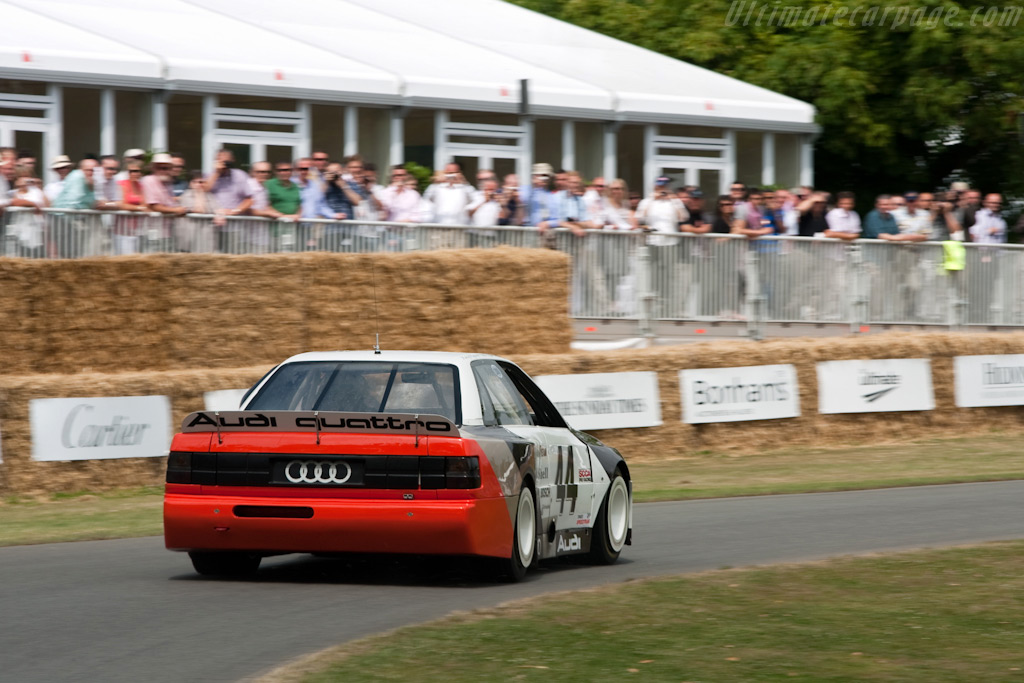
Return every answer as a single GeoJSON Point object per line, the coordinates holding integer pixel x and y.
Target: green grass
{"type": "Point", "coordinates": [803, 470]}
{"type": "Point", "coordinates": [929, 616]}
{"type": "Point", "coordinates": [82, 516]}
{"type": "Point", "coordinates": [85, 516]}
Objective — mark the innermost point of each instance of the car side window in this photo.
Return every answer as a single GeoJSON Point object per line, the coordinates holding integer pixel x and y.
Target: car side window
{"type": "Point", "coordinates": [540, 406]}
{"type": "Point", "coordinates": [509, 407]}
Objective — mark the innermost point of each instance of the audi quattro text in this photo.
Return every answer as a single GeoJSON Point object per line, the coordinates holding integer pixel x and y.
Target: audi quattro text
{"type": "Point", "coordinates": [393, 452]}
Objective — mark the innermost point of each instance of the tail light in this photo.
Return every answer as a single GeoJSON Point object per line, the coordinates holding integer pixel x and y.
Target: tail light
{"type": "Point", "coordinates": [462, 472]}
{"type": "Point", "coordinates": [179, 468]}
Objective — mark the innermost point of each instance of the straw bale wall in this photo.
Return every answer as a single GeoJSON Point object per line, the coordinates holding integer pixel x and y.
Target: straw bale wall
{"type": "Point", "coordinates": [19, 474]}
{"type": "Point", "coordinates": [165, 312]}
{"type": "Point", "coordinates": [810, 429]}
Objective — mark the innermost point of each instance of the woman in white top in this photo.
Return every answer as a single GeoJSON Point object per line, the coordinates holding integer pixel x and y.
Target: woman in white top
{"type": "Point", "coordinates": [25, 227]}
{"type": "Point", "coordinates": [617, 214]}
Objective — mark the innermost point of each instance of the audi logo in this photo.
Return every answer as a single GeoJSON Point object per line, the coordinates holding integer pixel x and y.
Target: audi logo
{"type": "Point", "coordinates": [317, 472]}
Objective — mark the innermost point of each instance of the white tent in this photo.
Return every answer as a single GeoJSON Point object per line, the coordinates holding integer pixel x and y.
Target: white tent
{"type": "Point", "coordinates": [443, 53]}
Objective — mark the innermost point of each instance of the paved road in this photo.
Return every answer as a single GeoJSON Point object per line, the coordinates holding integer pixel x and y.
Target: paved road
{"type": "Point", "coordinates": [130, 611]}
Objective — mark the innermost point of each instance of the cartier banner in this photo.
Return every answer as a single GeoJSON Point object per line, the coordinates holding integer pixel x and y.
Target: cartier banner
{"type": "Point", "coordinates": [605, 400]}
{"type": "Point", "coordinates": [100, 428]}
{"type": "Point", "coordinates": [875, 386]}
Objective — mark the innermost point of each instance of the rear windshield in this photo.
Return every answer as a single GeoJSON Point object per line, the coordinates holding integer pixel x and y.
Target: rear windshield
{"type": "Point", "coordinates": [362, 387]}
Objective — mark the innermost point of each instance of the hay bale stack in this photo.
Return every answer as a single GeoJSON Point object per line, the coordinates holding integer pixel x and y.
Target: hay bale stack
{"type": "Point", "coordinates": [19, 339]}
{"type": "Point", "coordinates": [235, 311]}
{"type": "Point", "coordinates": [161, 312]}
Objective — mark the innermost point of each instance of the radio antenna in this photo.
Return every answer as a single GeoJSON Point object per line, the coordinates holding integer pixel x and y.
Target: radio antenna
{"type": "Point", "coordinates": [376, 317]}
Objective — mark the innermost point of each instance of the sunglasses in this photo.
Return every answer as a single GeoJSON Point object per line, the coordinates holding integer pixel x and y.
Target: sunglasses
{"type": "Point", "coordinates": [285, 170]}
{"type": "Point", "coordinates": [321, 158]}
{"type": "Point", "coordinates": [303, 168]}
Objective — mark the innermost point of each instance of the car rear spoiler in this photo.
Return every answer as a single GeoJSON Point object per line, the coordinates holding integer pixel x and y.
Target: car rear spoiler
{"type": "Point", "coordinates": [319, 422]}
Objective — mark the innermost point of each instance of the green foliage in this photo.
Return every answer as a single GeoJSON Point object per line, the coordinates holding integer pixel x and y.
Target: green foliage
{"type": "Point", "coordinates": [890, 85]}
{"type": "Point", "coordinates": [421, 173]}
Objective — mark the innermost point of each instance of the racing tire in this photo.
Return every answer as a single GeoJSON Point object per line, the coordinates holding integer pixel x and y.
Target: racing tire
{"type": "Point", "coordinates": [612, 524]}
{"type": "Point", "coordinates": [524, 540]}
{"type": "Point", "coordinates": [225, 564]}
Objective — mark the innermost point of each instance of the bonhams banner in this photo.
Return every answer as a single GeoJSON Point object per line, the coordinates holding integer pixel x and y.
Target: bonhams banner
{"type": "Point", "coordinates": [875, 386]}
{"type": "Point", "coordinates": [610, 400]}
{"type": "Point", "coordinates": [100, 428]}
{"type": "Point", "coordinates": [758, 392]}
{"type": "Point", "coordinates": [983, 381]}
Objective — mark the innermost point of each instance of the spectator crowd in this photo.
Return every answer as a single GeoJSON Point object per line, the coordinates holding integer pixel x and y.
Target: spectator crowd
{"type": "Point", "coordinates": [319, 187]}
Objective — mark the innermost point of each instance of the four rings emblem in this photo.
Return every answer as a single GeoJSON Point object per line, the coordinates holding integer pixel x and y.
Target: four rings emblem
{"type": "Point", "coordinates": [317, 472]}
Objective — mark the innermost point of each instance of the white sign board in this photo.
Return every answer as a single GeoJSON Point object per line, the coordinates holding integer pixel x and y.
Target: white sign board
{"type": "Point", "coordinates": [100, 428]}
{"type": "Point", "coordinates": [875, 386]}
{"type": "Point", "coordinates": [982, 381]}
{"type": "Point", "coordinates": [758, 392]}
{"type": "Point", "coordinates": [609, 400]}
{"type": "Point", "coordinates": [225, 399]}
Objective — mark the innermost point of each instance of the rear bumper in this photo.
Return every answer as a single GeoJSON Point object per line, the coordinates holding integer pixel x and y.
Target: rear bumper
{"type": "Point", "coordinates": [459, 527]}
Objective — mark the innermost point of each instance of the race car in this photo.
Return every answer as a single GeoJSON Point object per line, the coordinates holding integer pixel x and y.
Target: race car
{"type": "Point", "coordinates": [393, 452]}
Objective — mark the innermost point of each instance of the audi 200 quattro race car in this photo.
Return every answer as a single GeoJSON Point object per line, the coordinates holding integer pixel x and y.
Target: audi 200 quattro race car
{"type": "Point", "coordinates": [393, 452]}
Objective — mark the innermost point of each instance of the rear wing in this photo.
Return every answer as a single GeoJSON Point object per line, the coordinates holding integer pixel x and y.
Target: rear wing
{"type": "Point", "coordinates": [319, 422]}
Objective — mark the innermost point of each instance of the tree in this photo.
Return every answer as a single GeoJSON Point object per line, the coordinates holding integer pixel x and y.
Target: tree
{"type": "Point", "coordinates": [908, 96]}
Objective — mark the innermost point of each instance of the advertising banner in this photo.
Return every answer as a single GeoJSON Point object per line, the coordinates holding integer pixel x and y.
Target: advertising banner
{"type": "Point", "coordinates": [100, 428]}
{"type": "Point", "coordinates": [225, 399]}
{"type": "Point", "coordinates": [758, 392]}
{"type": "Point", "coordinates": [610, 400]}
{"type": "Point", "coordinates": [983, 381]}
{"type": "Point", "coordinates": [875, 386]}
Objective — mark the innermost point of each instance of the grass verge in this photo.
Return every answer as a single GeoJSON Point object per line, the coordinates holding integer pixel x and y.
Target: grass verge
{"type": "Point", "coordinates": [137, 512]}
{"type": "Point", "coordinates": [929, 616]}
{"type": "Point", "coordinates": [804, 470]}
{"type": "Point", "coordinates": [82, 517]}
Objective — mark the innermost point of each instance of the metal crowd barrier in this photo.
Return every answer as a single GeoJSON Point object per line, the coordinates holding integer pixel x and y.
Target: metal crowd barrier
{"type": "Point", "coordinates": [625, 275]}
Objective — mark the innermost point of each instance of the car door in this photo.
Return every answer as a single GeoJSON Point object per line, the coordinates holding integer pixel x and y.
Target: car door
{"type": "Point", "coordinates": [565, 482]}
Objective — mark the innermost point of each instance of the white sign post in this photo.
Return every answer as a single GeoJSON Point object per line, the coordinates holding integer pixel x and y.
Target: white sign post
{"type": "Point", "coordinates": [984, 381]}
{"type": "Point", "coordinates": [610, 400]}
{"type": "Point", "coordinates": [875, 386]}
{"type": "Point", "coordinates": [223, 399]}
{"type": "Point", "coordinates": [100, 428]}
{"type": "Point", "coordinates": [758, 392]}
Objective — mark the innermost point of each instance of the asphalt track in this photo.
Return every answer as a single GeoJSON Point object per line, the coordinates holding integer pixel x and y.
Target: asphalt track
{"type": "Point", "coordinates": [129, 610]}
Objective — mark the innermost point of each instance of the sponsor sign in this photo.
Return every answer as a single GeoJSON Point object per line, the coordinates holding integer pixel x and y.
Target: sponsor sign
{"type": "Point", "coordinates": [225, 399]}
{"type": "Point", "coordinates": [609, 400]}
{"type": "Point", "coordinates": [982, 381]}
{"type": "Point", "coordinates": [100, 428]}
{"type": "Point", "coordinates": [875, 386]}
{"type": "Point", "coordinates": [759, 392]}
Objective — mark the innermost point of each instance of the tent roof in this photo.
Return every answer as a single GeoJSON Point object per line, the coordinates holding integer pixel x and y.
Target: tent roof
{"type": "Point", "coordinates": [457, 54]}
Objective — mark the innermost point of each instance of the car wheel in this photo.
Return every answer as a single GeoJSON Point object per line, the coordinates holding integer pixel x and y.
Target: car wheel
{"type": "Point", "coordinates": [225, 564]}
{"type": "Point", "coordinates": [612, 523]}
{"type": "Point", "coordinates": [524, 540]}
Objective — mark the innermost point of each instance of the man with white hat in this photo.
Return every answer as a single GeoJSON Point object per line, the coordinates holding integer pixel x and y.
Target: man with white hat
{"type": "Point", "coordinates": [62, 166]}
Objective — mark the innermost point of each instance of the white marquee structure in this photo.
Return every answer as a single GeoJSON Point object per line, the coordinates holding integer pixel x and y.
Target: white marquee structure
{"type": "Point", "coordinates": [397, 80]}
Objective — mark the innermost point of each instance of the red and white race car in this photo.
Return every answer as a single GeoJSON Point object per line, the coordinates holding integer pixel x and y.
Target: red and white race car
{"type": "Point", "coordinates": [393, 452]}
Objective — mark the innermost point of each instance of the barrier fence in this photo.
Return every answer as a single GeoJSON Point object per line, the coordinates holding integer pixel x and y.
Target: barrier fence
{"type": "Point", "coordinates": [627, 275]}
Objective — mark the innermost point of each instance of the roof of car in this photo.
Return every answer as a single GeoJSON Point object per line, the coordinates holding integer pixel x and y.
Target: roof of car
{"type": "Point", "coordinates": [450, 357]}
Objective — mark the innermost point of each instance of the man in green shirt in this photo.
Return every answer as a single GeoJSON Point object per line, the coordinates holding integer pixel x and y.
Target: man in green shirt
{"type": "Point", "coordinates": [283, 194]}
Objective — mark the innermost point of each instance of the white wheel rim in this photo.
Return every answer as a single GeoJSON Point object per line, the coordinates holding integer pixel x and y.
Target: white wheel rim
{"type": "Point", "coordinates": [618, 514]}
{"type": "Point", "coordinates": [526, 526]}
